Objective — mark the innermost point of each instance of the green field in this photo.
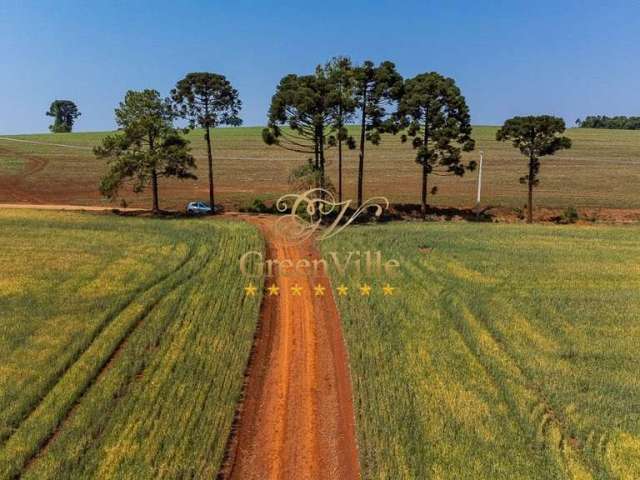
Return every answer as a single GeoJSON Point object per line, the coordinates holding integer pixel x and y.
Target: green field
{"type": "Point", "coordinates": [123, 344]}
{"type": "Point", "coordinates": [505, 353]}
{"type": "Point", "coordinates": [601, 170]}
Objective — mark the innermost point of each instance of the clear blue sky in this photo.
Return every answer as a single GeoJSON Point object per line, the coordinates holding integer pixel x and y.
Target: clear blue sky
{"type": "Point", "coordinates": [568, 58]}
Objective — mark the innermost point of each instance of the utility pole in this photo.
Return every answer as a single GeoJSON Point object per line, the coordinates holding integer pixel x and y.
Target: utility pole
{"type": "Point", "coordinates": [479, 185]}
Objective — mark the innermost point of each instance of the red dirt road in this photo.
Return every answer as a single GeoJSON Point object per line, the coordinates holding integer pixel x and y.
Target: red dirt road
{"type": "Point", "coordinates": [296, 420]}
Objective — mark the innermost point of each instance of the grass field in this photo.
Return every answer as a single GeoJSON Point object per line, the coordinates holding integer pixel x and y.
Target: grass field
{"type": "Point", "coordinates": [123, 344]}
{"type": "Point", "coordinates": [601, 170]}
{"type": "Point", "coordinates": [506, 352]}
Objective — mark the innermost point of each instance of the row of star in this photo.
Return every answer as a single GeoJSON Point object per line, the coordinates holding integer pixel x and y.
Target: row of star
{"type": "Point", "coordinates": [319, 290]}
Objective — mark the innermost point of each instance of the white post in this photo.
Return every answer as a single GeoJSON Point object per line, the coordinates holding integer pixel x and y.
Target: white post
{"type": "Point", "coordinates": [479, 182]}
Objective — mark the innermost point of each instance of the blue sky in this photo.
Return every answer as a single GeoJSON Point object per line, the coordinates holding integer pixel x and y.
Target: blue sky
{"type": "Point", "coordinates": [568, 58]}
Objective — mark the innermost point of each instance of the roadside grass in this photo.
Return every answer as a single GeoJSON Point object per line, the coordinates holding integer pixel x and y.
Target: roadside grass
{"type": "Point", "coordinates": [505, 352]}
{"type": "Point", "coordinates": [602, 169]}
{"type": "Point", "coordinates": [124, 343]}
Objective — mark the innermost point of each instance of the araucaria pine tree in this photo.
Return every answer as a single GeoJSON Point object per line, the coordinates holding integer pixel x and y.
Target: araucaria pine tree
{"type": "Point", "coordinates": [535, 137]}
{"type": "Point", "coordinates": [376, 89]}
{"type": "Point", "coordinates": [302, 119]}
{"type": "Point", "coordinates": [435, 114]}
{"type": "Point", "coordinates": [340, 74]}
{"type": "Point", "coordinates": [65, 113]}
{"type": "Point", "coordinates": [207, 100]}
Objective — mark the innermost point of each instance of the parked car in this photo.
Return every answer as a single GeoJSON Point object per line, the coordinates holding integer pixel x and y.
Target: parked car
{"type": "Point", "coordinates": [198, 208]}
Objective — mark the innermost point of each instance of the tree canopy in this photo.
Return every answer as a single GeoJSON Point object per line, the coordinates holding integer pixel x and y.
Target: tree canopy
{"type": "Point", "coordinates": [535, 137]}
{"type": "Point", "coordinates": [435, 114]}
{"type": "Point", "coordinates": [207, 100]}
{"type": "Point", "coordinates": [147, 146]}
{"type": "Point", "coordinates": [302, 117]}
{"type": "Point", "coordinates": [65, 113]}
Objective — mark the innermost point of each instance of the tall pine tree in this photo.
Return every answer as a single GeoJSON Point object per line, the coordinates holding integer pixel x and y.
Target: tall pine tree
{"type": "Point", "coordinates": [207, 100]}
{"type": "Point", "coordinates": [435, 114]}
{"type": "Point", "coordinates": [376, 89]}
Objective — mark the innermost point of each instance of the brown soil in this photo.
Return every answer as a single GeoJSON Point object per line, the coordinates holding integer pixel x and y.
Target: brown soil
{"type": "Point", "coordinates": [397, 212]}
{"type": "Point", "coordinates": [296, 420]}
{"type": "Point", "coordinates": [79, 208]}
{"type": "Point", "coordinates": [586, 215]}
{"type": "Point", "coordinates": [511, 215]}
{"type": "Point", "coordinates": [15, 187]}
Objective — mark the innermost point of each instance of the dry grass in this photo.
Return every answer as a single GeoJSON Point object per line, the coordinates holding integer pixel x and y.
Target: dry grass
{"type": "Point", "coordinates": [602, 169]}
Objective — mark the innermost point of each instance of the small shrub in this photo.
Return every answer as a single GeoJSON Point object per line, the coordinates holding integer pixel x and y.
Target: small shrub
{"type": "Point", "coordinates": [520, 212]}
{"type": "Point", "coordinates": [570, 215]}
{"type": "Point", "coordinates": [256, 206]}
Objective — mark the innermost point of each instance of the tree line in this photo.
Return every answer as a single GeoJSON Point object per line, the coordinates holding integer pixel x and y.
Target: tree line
{"type": "Point", "coordinates": [310, 114]}
{"type": "Point", "coordinates": [602, 121]}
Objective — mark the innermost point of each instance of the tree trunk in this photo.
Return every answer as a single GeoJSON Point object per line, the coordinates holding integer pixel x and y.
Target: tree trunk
{"type": "Point", "coordinates": [363, 125]}
{"type": "Point", "coordinates": [423, 204]}
{"type": "Point", "coordinates": [154, 178]}
{"type": "Point", "coordinates": [154, 190]}
{"type": "Point", "coordinates": [340, 152]}
{"type": "Point", "coordinates": [321, 158]}
{"type": "Point", "coordinates": [210, 159]}
{"type": "Point", "coordinates": [316, 147]}
{"type": "Point", "coordinates": [425, 172]}
{"type": "Point", "coordinates": [530, 182]}
{"type": "Point", "coordinates": [340, 171]}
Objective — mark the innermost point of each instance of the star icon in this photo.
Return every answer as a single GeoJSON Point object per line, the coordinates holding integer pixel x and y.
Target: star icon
{"type": "Point", "coordinates": [342, 290]}
{"type": "Point", "coordinates": [296, 290]}
{"type": "Point", "coordinates": [319, 290]}
{"type": "Point", "coordinates": [388, 289]}
{"type": "Point", "coordinates": [273, 290]}
{"type": "Point", "coordinates": [250, 290]}
{"type": "Point", "coordinates": [365, 290]}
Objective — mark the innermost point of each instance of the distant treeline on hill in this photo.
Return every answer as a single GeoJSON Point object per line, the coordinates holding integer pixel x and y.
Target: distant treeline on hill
{"type": "Point", "coordinates": [602, 121]}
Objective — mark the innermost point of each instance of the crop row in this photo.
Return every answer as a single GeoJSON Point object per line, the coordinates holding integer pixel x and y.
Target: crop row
{"type": "Point", "coordinates": [167, 368]}
{"type": "Point", "coordinates": [505, 352]}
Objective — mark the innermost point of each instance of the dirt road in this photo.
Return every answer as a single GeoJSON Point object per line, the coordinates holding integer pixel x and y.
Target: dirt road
{"type": "Point", "coordinates": [76, 208]}
{"type": "Point", "coordinates": [296, 420]}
